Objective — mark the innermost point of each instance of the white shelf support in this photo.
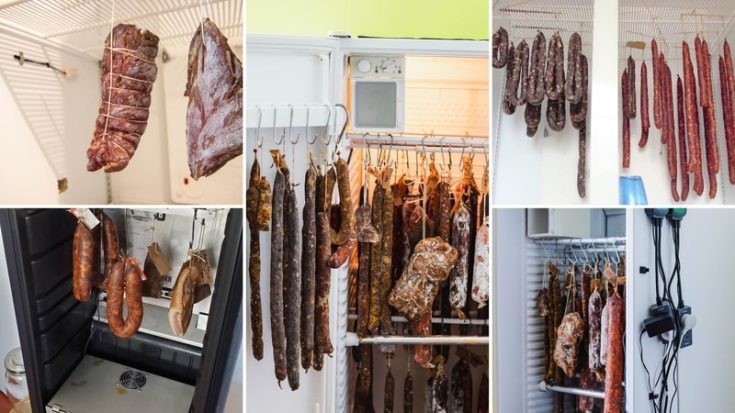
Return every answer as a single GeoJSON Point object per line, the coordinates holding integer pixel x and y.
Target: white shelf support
{"type": "Point", "coordinates": [354, 340]}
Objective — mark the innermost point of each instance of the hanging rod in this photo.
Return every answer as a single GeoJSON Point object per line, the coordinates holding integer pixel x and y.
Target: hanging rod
{"type": "Point", "coordinates": [351, 340]}
{"type": "Point", "coordinates": [319, 115]}
{"type": "Point", "coordinates": [435, 320]}
{"type": "Point", "coordinates": [430, 144]}
{"type": "Point", "coordinates": [20, 57]}
{"type": "Point", "coordinates": [571, 390]}
{"type": "Point", "coordinates": [583, 241]}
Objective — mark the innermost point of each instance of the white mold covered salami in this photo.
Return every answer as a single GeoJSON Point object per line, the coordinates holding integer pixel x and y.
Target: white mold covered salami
{"type": "Point", "coordinates": [458, 279]}
{"type": "Point", "coordinates": [481, 271]}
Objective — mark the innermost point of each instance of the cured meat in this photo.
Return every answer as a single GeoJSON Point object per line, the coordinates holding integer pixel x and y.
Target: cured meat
{"type": "Point", "coordinates": [365, 230]}
{"type": "Point", "coordinates": [128, 72]}
{"type": "Point", "coordinates": [389, 392]}
{"type": "Point", "coordinates": [532, 115]}
{"type": "Point", "coordinates": [343, 252]}
{"type": "Point", "coordinates": [322, 340]}
{"type": "Point", "coordinates": [656, 91]}
{"type": "Point", "coordinates": [710, 126]}
{"type": "Point", "coordinates": [125, 276]}
{"type": "Point", "coordinates": [251, 213]}
{"type": "Point", "coordinates": [595, 326]}
{"type": "Point", "coordinates": [582, 162]}
{"type": "Point", "coordinates": [376, 261]}
{"type": "Point", "coordinates": [292, 286]}
{"type": "Point", "coordinates": [692, 122]}
{"type": "Point", "coordinates": [573, 90]}
{"type": "Point", "coordinates": [193, 272]}
{"type": "Point", "coordinates": [152, 286]}
{"type": "Point", "coordinates": [670, 132]}
{"type": "Point", "coordinates": [727, 115]}
{"type": "Point", "coordinates": [481, 272]}
{"type": "Point", "coordinates": [632, 110]}
{"type": "Point", "coordinates": [556, 116]}
{"type": "Point", "coordinates": [483, 398]}
{"type": "Point", "coordinates": [363, 398]}
{"type": "Point", "coordinates": [111, 245]}
{"type": "Point", "coordinates": [264, 204]}
{"type": "Point", "coordinates": [615, 357]}
{"type": "Point", "coordinates": [645, 119]}
{"type": "Point", "coordinates": [604, 338]}
{"type": "Point", "coordinates": [408, 393]}
{"type": "Point", "coordinates": [345, 204]}
{"type": "Point", "coordinates": [519, 76]}
{"type": "Point", "coordinates": [460, 400]}
{"type": "Point", "coordinates": [82, 250]}
{"type": "Point", "coordinates": [440, 389]}
{"type": "Point", "coordinates": [555, 80]}
{"type": "Point", "coordinates": [308, 268]}
{"type": "Point", "coordinates": [578, 111]}
{"type": "Point", "coordinates": [363, 289]}
{"type": "Point", "coordinates": [459, 274]}
{"type": "Point", "coordinates": [626, 120]}
{"type": "Point", "coordinates": [552, 321]}
{"type": "Point", "coordinates": [731, 97]}
{"type": "Point", "coordinates": [500, 48]}
{"type": "Point", "coordinates": [508, 107]}
{"type": "Point", "coordinates": [422, 328]}
{"type": "Point", "coordinates": [278, 330]}
{"type": "Point", "coordinates": [682, 139]}
{"type": "Point", "coordinates": [414, 293]}
{"type": "Point", "coordinates": [214, 115]}
{"type": "Point", "coordinates": [569, 334]}
{"type": "Point", "coordinates": [386, 279]}
{"type": "Point", "coordinates": [536, 83]}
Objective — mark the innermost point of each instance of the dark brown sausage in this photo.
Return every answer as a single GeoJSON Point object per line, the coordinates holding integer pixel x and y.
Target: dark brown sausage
{"type": "Point", "coordinates": [408, 393]}
{"type": "Point", "coordinates": [363, 289]}
{"type": "Point", "coordinates": [308, 268]}
{"type": "Point", "coordinates": [578, 112]}
{"type": "Point", "coordinates": [389, 392]}
{"type": "Point", "coordinates": [125, 276]}
{"type": "Point", "coordinates": [631, 88]}
{"type": "Point", "coordinates": [573, 90]}
{"type": "Point", "coordinates": [345, 203]}
{"type": "Point", "coordinates": [422, 328]}
{"type": "Point", "coordinates": [626, 120]}
{"type": "Point", "coordinates": [519, 77]}
{"type": "Point", "coordinates": [343, 252]}
{"type": "Point", "coordinates": [82, 259]}
{"type": "Point", "coordinates": [582, 162]}
{"type": "Point", "coordinates": [645, 119]}
{"type": "Point", "coordinates": [508, 107]}
{"type": "Point", "coordinates": [692, 121]}
{"type": "Point", "coordinates": [278, 330]}
{"type": "Point", "coordinates": [458, 278]}
{"type": "Point", "coordinates": [483, 398]}
{"type": "Point", "coordinates": [440, 390]}
{"type": "Point", "coordinates": [555, 68]}
{"type": "Point", "coordinates": [556, 116]}
{"type": "Point", "coordinates": [731, 95]}
{"type": "Point", "coordinates": [292, 285]}
{"type": "Point", "coordinates": [460, 400]}
{"type": "Point", "coordinates": [500, 48]}
{"type": "Point", "coordinates": [682, 139]}
{"type": "Point", "coordinates": [322, 341]}
{"type": "Point", "coordinates": [710, 122]}
{"type": "Point", "coordinates": [656, 92]}
{"type": "Point", "coordinates": [532, 116]}
{"type": "Point", "coordinates": [726, 96]}
{"type": "Point", "coordinates": [536, 84]}
{"type": "Point", "coordinates": [111, 245]}
{"type": "Point", "coordinates": [615, 356]}
{"type": "Point", "coordinates": [670, 131]}
{"type": "Point", "coordinates": [376, 254]}
{"type": "Point", "coordinates": [251, 213]}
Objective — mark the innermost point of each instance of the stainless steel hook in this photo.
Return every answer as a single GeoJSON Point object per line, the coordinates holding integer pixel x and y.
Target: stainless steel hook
{"type": "Point", "coordinates": [344, 125]}
{"type": "Point", "coordinates": [316, 135]}
{"type": "Point", "coordinates": [258, 138]}
{"type": "Point", "coordinates": [290, 128]}
{"type": "Point", "coordinates": [275, 116]}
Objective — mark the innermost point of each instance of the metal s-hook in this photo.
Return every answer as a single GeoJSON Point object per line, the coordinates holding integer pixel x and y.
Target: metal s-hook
{"type": "Point", "coordinates": [344, 125]}
{"type": "Point", "coordinates": [316, 135]}
{"type": "Point", "coordinates": [326, 127]}
{"type": "Point", "coordinates": [290, 127]}
{"type": "Point", "coordinates": [275, 117]}
{"type": "Point", "coordinates": [390, 149]}
{"type": "Point", "coordinates": [327, 137]}
{"type": "Point", "coordinates": [258, 139]}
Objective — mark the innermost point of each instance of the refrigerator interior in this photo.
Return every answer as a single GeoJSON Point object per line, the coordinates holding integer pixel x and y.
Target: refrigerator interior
{"type": "Point", "coordinates": [294, 86]}
{"type": "Point", "coordinates": [670, 23]}
{"type": "Point", "coordinates": [546, 164]}
{"type": "Point", "coordinates": [52, 115]}
{"type": "Point", "coordinates": [520, 256]}
{"type": "Point", "coordinates": [67, 344]}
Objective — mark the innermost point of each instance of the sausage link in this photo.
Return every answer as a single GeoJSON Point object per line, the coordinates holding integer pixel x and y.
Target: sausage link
{"type": "Point", "coordinates": [692, 122]}
{"type": "Point", "coordinates": [682, 139]}
{"type": "Point", "coordinates": [500, 48]}
{"type": "Point", "coordinates": [508, 107]}
{"type": "Point", "coordinates": [278, 330]}
{"type": "Point", "coordinates": [322, 340]}
{"type": "Point", "coordinates": [626, 120]}
{"type": "Point", "coordinates": [251, 209]}
{"type": "Point", "coordinates": [389, 392]}
{"type": "Point", "coordinates": [343, 252]}
{"type": "Point", "coordinates": [292, 285]}
{"type": "Point", "coordinates": [481, 273]}
{"type": "Point", "coordinates": [519, 77]}
{"type": "Point", "coordinates": [376, 254]}
{"type": "Point", "coordinates": [645, 119]}
{"type": "Point", "coordinates": [363, 395]}
{"type": "Point", "coordinates": [710, 122]}
{"type": "Point", "coordinates": [556, 114]}
{"type": "Point", "coordinates": [536, 84]}
{"type": "Point", "coordinates": [111, 245]}
{"type": "Point", "coordinates": [82, 251]}
{"type": "Point", "coordinates": [458, 276]}
{"type": "Point", "coordinates": [670, 132]}
{"type": "Point", "coordinates": [408, 393]}
{"type": "Point", "coordinates": [308, 268]}
{"type": "Point", "coordinates": [421, 328]}
{"type": "Point", "coordinates": [264, 204]}
{"type": "Point", "coordinates": [615, 356]}
{"type": "Point", "coordinates": [363, 289]}
{"type": "Point", "coordinates": [460, 400]}
{"type": "Point", "coordinates": [726, 96]}
{"type": "Point", "coordinates": [631, 88]}
{"type": "Point", "coordinates": [656, 88]}
{"type": "Point", "coordinates": [582, 162]}
{"type": "Point", "coordinates": [345, 203]}
{"type": "Point", "coordinates": [440, 390]}
{"type": "Point", "coordinates": [578, 111]}
{"type": "Point", "coordinates": [731, 98]}
{"type": "Point", "coordinates": [386, 267]}
{"type": "Point", "coordinates": [555, 68]}
{"type": "Point", "coordinates": [573, 86]}
{"type": "Point", "coordinates": [125, 276]}
{"type": "Point", "coordinates": [532, 116]}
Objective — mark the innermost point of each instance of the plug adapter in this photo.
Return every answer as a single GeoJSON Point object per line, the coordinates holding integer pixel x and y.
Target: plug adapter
{"type": "Point", "coordinates": [660, 321]}
{"type": "Point", "coordinates": [687, 340]}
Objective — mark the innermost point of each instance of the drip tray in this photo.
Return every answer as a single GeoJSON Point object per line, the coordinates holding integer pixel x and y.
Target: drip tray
{"type": "Point", "coordinates": [98, 385]}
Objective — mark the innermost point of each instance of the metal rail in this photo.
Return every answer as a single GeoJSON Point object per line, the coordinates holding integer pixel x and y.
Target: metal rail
{"type": "Point", "coordinates": [351, 339]}
{"type": "Point", "coordinates": [571, 390]}
{"type": "Point", "coordinates": [436, 320]}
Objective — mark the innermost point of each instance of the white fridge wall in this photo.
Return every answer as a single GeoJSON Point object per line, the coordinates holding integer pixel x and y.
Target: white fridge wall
{"type": "Point", "coordinates": [707, 285]}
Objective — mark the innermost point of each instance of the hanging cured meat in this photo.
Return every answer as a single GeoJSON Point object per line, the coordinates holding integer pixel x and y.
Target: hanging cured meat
{"type": "Point", "coordinates": [128, 72]}
{"type": "Point", "coordinates": [615, 357]}
{"type": "Point", "coordinates": [645, 119]}
{"type": "Point", "coordinates": [626, 120]}
{"type": "Point", "coordinates": [682, 139]}
{"type": "Point", "coordinates": [692, 121]}
{"type": "Point", "coordinates": [125, 276]}
{"type": "Point", "coordinates": [82, 250]}
{"type": "Point", "coordinates": [707, 102]}
{"type": "Point", "coordinates": [481, 273]}
{"type": "Point", "coordinates": [500, 48]}
{"type": "Point", "coordinates": [728, 95]}
{"type": "Point", "coordinates": [214, 88]}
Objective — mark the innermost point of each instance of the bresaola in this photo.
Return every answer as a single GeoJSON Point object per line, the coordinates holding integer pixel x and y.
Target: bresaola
{"type": "Point", "coordinates": [214, 114]}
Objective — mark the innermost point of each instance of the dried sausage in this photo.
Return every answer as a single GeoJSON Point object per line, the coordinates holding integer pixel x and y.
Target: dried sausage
{"type": "Point", "coordinates": [386, 279]}
{"type": "Point", "coordinates": [308, 268]}
{"type": "Point", "coordinates": [615, 357]}
{"type": "Point", "coordinates": [582, 162]}
{"type": "Point", "coordinates": [508, 107]}
{"type": "Point", "coordinates": [556, 114]}
{"type": "Point", "coordinates": [532, 116]}
{"type": "Point", "coordinates": [726, 97]}
{"type": "Point", "coordinates": [555, 68]}
{"type": "Point", "coordinates": [692, 122]}
{"type": "Point", "coordinates": [363, 398]}
{"type": "Point", "coordinates": [481, 272]}
{"type": "Point", "coordinates": [682, 139]}
{"type": "Point", "coordinates": [578, 111]}
{"type": "Point", "coordinates": [363, 289]}
{"type": "Point", "coordinates": [645, 119]}
{"type": "Point", "coordinates": [460, 400]}
{"type": "Point", "coordinates": [595, 327]}
{"type": "Point", "coordinates": [390, 389]}
{"type": "Point", "coordinates": [322, 341]}
{"type": "Point", "coordinates": [631, 88]}
{"type": "Point", "coordinates": [376, 254]}
{"type": "Point", "coordinates": [483, 398]}
{"type": "Point", "coordinates": [519, 77]}
{"type": "Point", "coordinates": [111, 245]}
{"type": "Point", "coordinates": [343, 252]}
{"type": "Point", "coordinates": [500, 48]}
{"type": "Point", "coordinates": [440, 389]}
{"type": "Point", "coordinates": [422, 328]}
{"type": "Point", "coordinates": [573, 90]}
{"type": "Point", "coordinates": [536, 84]}
{"type": "Point", "coordinates": [408, 393]}
{"type": "Point", "coordinates": [710, 125]}
{"type": "Point", "coordinates": [731, 97]}
{"type": "Point", "coordinates": [656, 88]}
{"type": "Point", "coordinates": [125, 276]}
{"type": "Point", "coordinates": [458, 278]}
{"type": "Point", "coordinates": [82, 251]}
{"type": "Point", "coordinates": [251, 209]}
{"type": "Point", "coordinates": [278, 331]}
{"type": "Point", "coordinates": [292, 286]}
{"type": "Point", "coordinates": [670, 131]}
{"type": "Point", "coordinates": [345, 203]}
{"type": "Point", "coordinates": [626, 120]}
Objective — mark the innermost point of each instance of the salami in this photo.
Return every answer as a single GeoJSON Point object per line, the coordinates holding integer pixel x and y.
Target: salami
{"type": "Point", "coordinates": [682, 139]}
{"type": "Point", "coordinates": [670, 132]}
{"type": "Point", "coordinates": [645, 119]}
{"type": "Point", "coordinates": [615, 357]}
{"type": "Point", "coordinates": [408, 393]}
{"type": "Point", "coordinates": [308, 268]}
{"type": "Point", "coordinates": [710, 125]}
{"type": "Point", "coordinates": [532, 116]}
{"type": "Point", "coordinates": [82, 251]}
{"type": "Point", "coordinates": [251, 213]}
{"type": "Point", "coordinates": [573, 90]}
{"type": "Point", "coordinates": [458, 277]}
{"type": "Point", "coordinates": [500, 48]}
{"type": "Point", "coordinates": [692, 122]}
{"type": "Point", "coordinates": [727, 115]}
{"type": "Point", "coordinates": [363, 289]}
{"type": "Point", "coordinates": [278, 330]}
{"type": "Point", "coordinates": [125, 276]}
{"type": "Point", "coordinates": [390, 388]}
{"type": "Point", "coordinates": [556, 116]}
{"type": "Point", "coordinates": [731, 98]}
{"type": "Point", "coordinates": [626, 120]}
{"type": "Point", "coordinates": [536, 84]}
{"type": "Point", "coordinates": [519, 76]}
{"type": "Point", "coordinates": [481, 272]}
{"type": "Point", "coordinates": [443, 221]}
{"type": "Point", "coordinates": [582, 162]}
{"type": "Point", "coordinates": [292, 286]}
{"type": "Point", "coordinates": [376, 260]}
{"type": "Point", "coordinates": [656, 86]}
{"type": "Point", "coordinates": [508, 107]}
{"type": "Point", "coordinates": [386, 279]}
{"type": "Point", "coordinates": [595, 328]}
{"type": "Point", "coordinates": [440, 389]}
{"type": "Point", "coordinates": [322, 341]}
{"type": "Point", "coordinates": [604, 338]}
{"type": "Point", "coordinates": [460, 400]}
{"type": "Point", "coordinates": [578, 111]}
{"type": "Point", "coordinates": [422, 328]}
{"type": "Point", "coordinates": [264, 204]}
{"type": "Point", "coordinates": [345, 204]}
{"type": "Point", "coordinates": [555, 80]}
{"type": "Point", "coordinates": [631, 88]}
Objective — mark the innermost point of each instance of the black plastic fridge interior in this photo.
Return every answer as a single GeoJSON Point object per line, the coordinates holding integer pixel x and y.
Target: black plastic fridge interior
{"type": "Point", "coordinates": [54, 327]}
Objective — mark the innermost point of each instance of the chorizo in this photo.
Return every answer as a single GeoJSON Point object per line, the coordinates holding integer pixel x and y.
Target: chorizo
{"type": "Point", "coordinates": [669, 130]}
{"type": "Point", "coordinates": [645, 119]}
{"type": "Point", "coordinates": [631, 88]}
{"type": "Point", "coordinates": [556, 116]}
{"type": "Point", "coordinates": [731, 97]}
{"type": "Point", "coordinates": [389, 392]}
{"type": "Point", "coordinates": [656, 86]}
{"type": "Point", "coordinates": [82, 258]}
{"type": "Point", "coordinates": [481, 272]}
{"type": "Point", "coordinates": [615, 356]}
{"type": "Point", "coordinates": [726, 97]}
{"type": "Point", "coordinates": [573, 90]}
{"type": "Point", "coordinates": [251, 213]}
{"type": "Point", "coordinates": [536, 85]}
{"type": "Point", "coordinates": [692, 121]}
{"type": "Point", "coordinates": [582, 162]}
{"type": "Point", "coordinates": [460, 400]}
{"type": "Point", "coordinates": [710, 122]}
{"type": "Point", "coordinates": [500, 48]}
{"type": "Point", "coordinates": [408, 393]}
{"type": "Point", "coordinates": [458, 277]}
{"type": "Point", "coordinates": [626, 120]}
{"type": "Point", "coordinates": [111, 244]}
{"type": "Point", "coordinates": [508, 107]}
{"type": "Point", "coordinates": [682, 139]}
{"type": "Point", "coordinates": [308, 268]}
{"type": "Point", "coordinates": [125, 276]}
{"type": "Point", "coordinates": [278, 330]}
{"type": "Point", "coordinates": [532, 116]}
{"type": "Point", "coordinates": [292, 286]}
{"type": "Point", "coordinates": [322, 340]}
{"type": "Point", "coordinates": [519, 77]}
{"type": "Point", "coordinates": [347, 225]}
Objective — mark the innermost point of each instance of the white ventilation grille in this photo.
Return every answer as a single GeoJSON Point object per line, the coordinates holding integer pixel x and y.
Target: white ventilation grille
{"type": "Point", "coordinates": [38, 93]}
{"type": "Point", "coordinates": [83, 24]}
{"type": "Point", "coordinates": [672, 21]}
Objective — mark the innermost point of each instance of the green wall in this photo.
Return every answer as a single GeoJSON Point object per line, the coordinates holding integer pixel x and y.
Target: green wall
{"type": "Point", "coordinates": [466, 19]}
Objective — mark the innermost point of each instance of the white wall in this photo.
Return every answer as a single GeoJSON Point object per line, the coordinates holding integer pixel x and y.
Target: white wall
{"type": "Point", "coordinates": [8, 324]}
{"type": "Point", "coordinates": [707, 285]}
